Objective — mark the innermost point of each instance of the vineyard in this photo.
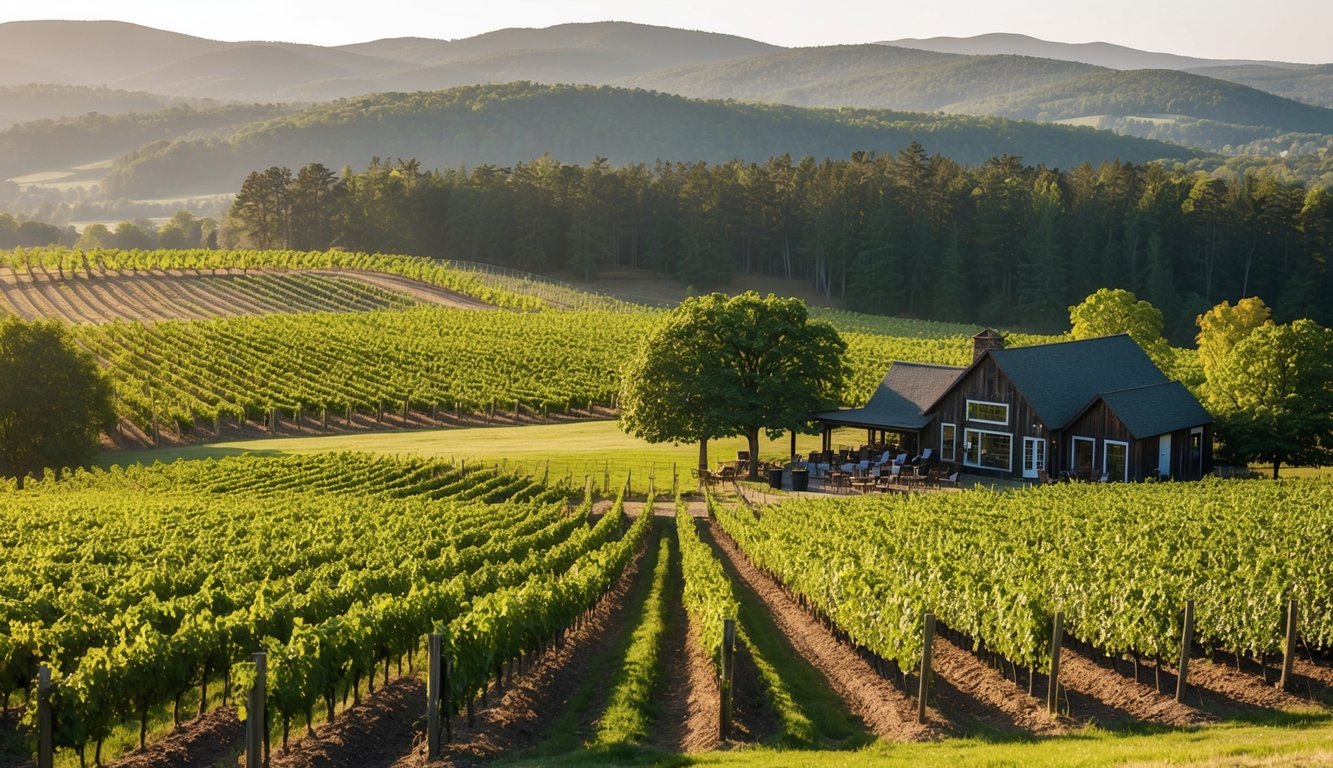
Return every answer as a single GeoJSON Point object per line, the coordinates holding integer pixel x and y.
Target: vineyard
{"type": "Point", "coordinates": [139, 586]}
{"type": "Point", "coordinates": [202, 295]}
{"type": "Point", "coordinates": [145, 591]}
{"type": "Point", "coordinates": [253, 342]}
{"type": "Point", "coordinates": [996, 567]}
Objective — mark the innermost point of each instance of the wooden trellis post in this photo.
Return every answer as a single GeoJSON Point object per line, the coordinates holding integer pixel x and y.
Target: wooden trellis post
{"type": "Point", "coordinates": [728, 675]}
{"type": "Point", "coordinates": [1289, 648]}
{"type": "Point", "coordinates": [433, 698]}
{"type": "Point", "coordinates": [255, 732]}
{"type": "Point", "coordinates": [1053, 687]}
{"type": "Point", "coordinates": [923, 690]}
{"type": "Point", "coordinates": [45, 743]}
{"type": "Point", "coordinates": [1186, 641]}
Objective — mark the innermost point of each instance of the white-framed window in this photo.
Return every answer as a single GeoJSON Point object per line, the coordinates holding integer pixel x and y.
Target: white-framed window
{"type": "Point", "coordinates": [1115, 460]}
{"type": "Point", "coordinates": [948, 439]}
{"type": "Point", "coordinates": [987, 412]}
{"type": "Point", "coordinates": [1081, 454]}
{"type": "Point", "coordinates": [988, 450]}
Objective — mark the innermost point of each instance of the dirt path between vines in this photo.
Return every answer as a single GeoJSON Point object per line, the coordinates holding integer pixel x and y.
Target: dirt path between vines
{"type": "Point", "coordinates": [528, 705]}
{"type": "Point", "coordinates": [369, 735]}
{"type": "Point", "coordinates": [207, 740]}
{"type": "Point", "coordinates": [885, 710]}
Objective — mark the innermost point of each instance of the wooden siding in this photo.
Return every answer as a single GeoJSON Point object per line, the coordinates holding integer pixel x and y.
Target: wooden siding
{"type": "Point", "coordinates": [1100, 424]}
{"type": "Point", "coordinates": [985, 382]}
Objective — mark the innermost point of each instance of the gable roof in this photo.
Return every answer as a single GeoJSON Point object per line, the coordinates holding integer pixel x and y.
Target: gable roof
{"type": "Point", "coordinates": [1058, 379]}
{"type": "Point", "coordinates": [902, 399]}
{"type": "Point", "coordinates": [1153, 410]}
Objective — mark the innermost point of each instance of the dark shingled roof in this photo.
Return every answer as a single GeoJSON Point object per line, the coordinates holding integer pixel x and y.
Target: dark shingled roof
{"type": "Point", "coordinates": [1156, 409]}
{"type": "Point", "coordinates": [1059, 379]}
{"type": "Point", "coordinates": [901, 401]}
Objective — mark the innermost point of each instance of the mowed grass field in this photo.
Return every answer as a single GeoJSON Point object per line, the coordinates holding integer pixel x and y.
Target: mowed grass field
{"type": "Point", "coordinates": [1298, 743]}
{"type": "Point", "coordinates": [591, 449]}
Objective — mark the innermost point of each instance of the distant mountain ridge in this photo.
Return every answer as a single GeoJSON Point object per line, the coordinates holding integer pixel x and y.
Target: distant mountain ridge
{"type": "Point", "coordinates": [1098, 54]}
{"type": "Point", "coordinates": [125, 56]}
{"type": "Point", "coordinates": [114, 68]}
{"type": "Point", "coordinates": [501, 124]}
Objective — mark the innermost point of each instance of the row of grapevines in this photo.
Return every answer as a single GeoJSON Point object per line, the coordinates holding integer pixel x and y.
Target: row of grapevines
{"type": "Point", "coordinates": [517, 619]}
{"type": "Point", "coordinates": [136, 585]}
{"type": "Point", "coordinates": [1118, 561]}
{"type": "Point", "coordinates": [708, 595]}
{"type": "Point", "coordinates": [427, 357]}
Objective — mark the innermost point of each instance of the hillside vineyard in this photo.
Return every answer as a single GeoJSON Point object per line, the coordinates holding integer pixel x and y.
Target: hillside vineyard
{"type": "Point", "coordinates": [374, 553]}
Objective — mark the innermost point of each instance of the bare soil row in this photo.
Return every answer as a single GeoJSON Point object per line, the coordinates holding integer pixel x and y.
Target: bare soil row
{"type": "Point", "coordinates": [200, 294]}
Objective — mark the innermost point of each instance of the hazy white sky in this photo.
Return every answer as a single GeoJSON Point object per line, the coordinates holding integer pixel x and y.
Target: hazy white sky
{"type": "Point", "coordinates": [1288, 30]}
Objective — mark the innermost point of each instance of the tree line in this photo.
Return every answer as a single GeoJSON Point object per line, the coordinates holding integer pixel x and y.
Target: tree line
{"type": "Point", "coordinates": [184, 230]}
{"type": "Point", "coordinates": [907, 234]}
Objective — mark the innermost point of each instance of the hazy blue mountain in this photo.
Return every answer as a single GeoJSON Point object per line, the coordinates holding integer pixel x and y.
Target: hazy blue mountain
{"type": "Point", "coordinates": [641, 46]}
{"type": "Point", "coordinates": [1097, 53]}
{"type": "Point", "coordinates": [1312, 85]}
{"type": "Point", "coordinates": [263, 72]}
{"type": "Point", "coordinates": [504, 123]}
{"type": "Point", "coordinates": [25, 103]}
{"type": "Point", "coordinates": [870, 76]}
{"type": "Point", "coordinates": [1152, 92]}
{"type": "Point", "coordinates": [97, 52]}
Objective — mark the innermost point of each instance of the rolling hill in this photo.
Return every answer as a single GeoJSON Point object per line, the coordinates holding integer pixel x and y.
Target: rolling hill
{"type": "Point", "coordinates": [1311, 85]}
{"type": "Point", "coordinates": [145, 70]}
{"type": "Point", "coordinates": [869, 76]}
{"type": "Point", "coordinates": [29, 102]}
{"type": "Point", "coordinates": [1096, 53]}
{"type": "Point", "coordinates": [500, 124]}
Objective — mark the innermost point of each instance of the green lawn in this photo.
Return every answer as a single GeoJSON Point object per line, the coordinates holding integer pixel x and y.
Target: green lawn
{"type": "Point", "coordinates": [1298, 742]}
{"type": "Point", "coordinates": [596, 449]}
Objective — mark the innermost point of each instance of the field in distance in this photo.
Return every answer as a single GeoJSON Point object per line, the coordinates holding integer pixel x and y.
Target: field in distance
{"type": "Point", "coordinates": [105, 296]}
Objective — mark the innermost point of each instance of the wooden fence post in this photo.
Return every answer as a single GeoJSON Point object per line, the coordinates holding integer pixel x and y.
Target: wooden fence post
{"type": "Point", "coordinates": [923, 690]}
{"type": "Point", "coordinates": [255, 716]}
{"type": "Point", "coordinates": [1053, 687]}
{"type": "Point", "coordinates": [1186, 641]}
{"type": "Point", "coordinates": [445, 665]}
{"type": "Point", "coordinates": [45, 745]}
{"type": "Point", "coordinates": [1289, 648]}
{"type": "Point", "coordinates": [433, 698]}
{"type": "Point", "coordinates": [728, 674]}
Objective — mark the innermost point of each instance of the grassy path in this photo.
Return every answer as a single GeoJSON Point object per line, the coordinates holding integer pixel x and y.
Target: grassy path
{"type": "Point", "coordinates": [811, 712]}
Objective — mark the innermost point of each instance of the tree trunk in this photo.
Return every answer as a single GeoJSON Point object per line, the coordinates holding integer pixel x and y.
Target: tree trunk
{"type": "Point", "coordinates": [753, 435]}
{"type": "Point", "coordinates": [703, 454]}
{"type": "Point", "coordinates": [1276, 463]}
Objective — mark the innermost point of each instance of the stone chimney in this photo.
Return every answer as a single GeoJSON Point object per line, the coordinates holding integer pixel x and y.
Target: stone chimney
{"type": "Point", "coordinates": [987, 340]}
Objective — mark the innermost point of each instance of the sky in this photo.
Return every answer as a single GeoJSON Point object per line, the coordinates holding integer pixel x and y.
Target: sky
{"type": "Point", "coordinates": [1284, 30]}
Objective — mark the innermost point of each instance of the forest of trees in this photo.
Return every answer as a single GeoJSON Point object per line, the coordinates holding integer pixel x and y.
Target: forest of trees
{"type": "Point", "coordinates": [908, 234]}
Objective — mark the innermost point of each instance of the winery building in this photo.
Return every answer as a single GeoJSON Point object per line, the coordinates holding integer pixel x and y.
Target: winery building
{"type": "Point", "coordinates": [1095, 409]}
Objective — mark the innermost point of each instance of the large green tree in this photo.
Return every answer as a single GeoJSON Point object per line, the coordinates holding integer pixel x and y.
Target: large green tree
{"type": "Point", "coordinates": [722, 366]}
{"type": "Point", "coordinates": [1111, 311]}
{"type": "Point", "coordinates": [1221, 327]}
{"type": "Point", "coordinates": [1272, 395]}
{"type": "Point", "coordinates": [54, 402]}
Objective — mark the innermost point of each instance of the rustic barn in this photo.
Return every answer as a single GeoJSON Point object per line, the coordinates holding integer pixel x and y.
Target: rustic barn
{"type": "Point", "coordinates": [1096, 409]}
